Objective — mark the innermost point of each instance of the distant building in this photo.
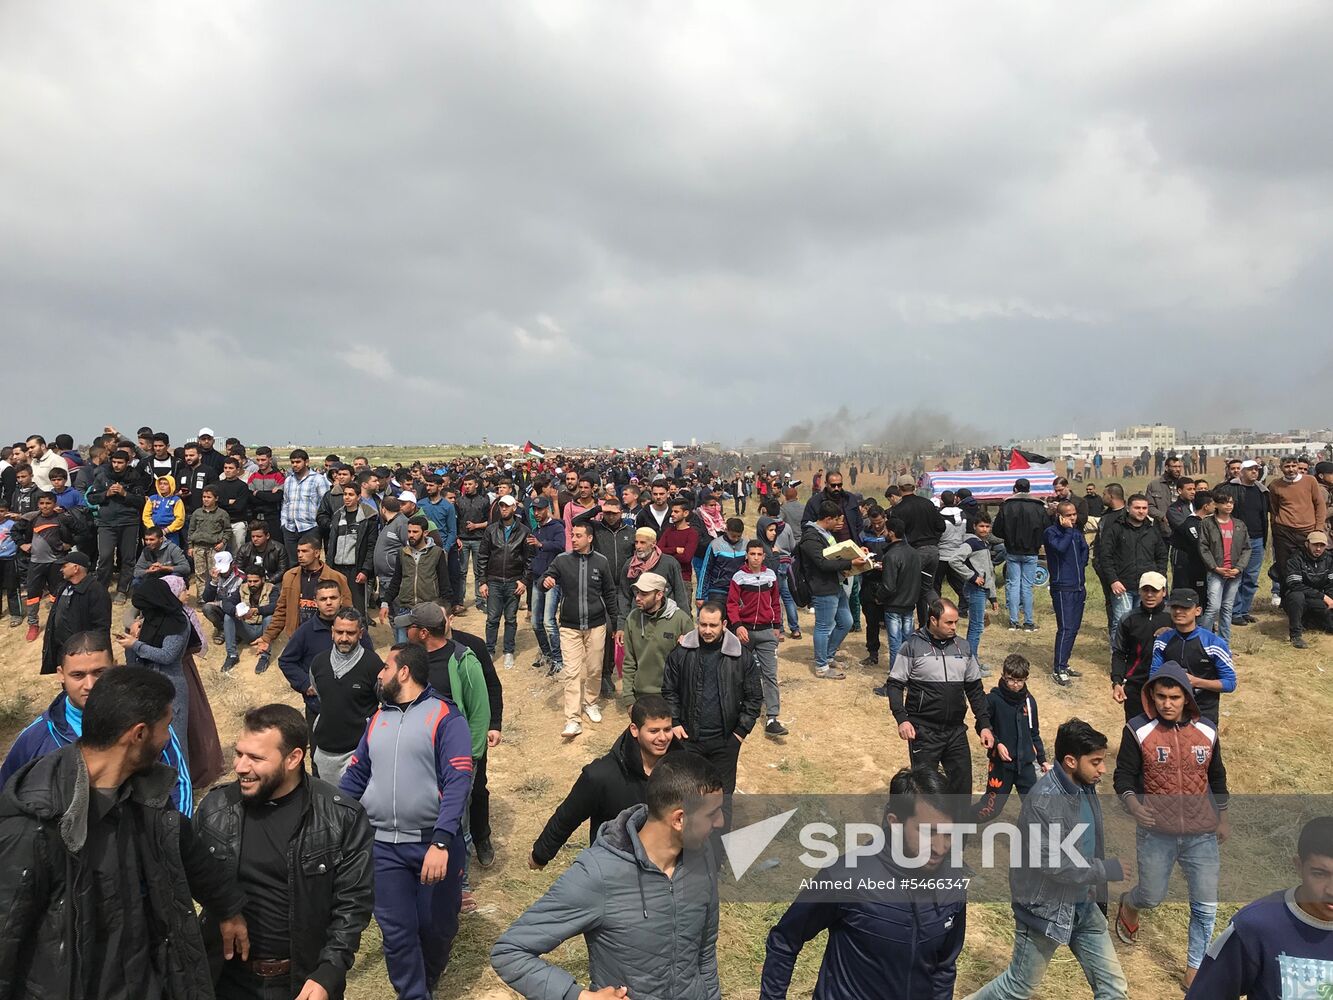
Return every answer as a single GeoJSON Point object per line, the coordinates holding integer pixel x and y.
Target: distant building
{"type": "Point", "coordinates": [795, 447]}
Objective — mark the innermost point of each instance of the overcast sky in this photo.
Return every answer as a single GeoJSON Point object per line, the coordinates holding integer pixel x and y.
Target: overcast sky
{"type": "Point", "coordinates": [621, 222]}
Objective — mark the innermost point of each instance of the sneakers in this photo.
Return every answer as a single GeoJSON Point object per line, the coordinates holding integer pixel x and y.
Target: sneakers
{"type": "Point", "coordinates": [33, 631]}
{"type": "Point", "coordinates": [229, 663]}
{"type": "Point", "coordinates": [775, 728]}
{"type": "Point", "coordinates": [458, 609]}
{"type": "Point", "coordinates": [509, 661]}
{"type": "Point", "coordinates": [1241, 620]}
{"type": "Point", "coordinates": [15, 622]}
{"type": "Point", "coordinates": [1073, 673]}
{"type": "Point", "coordinates": [1277, 601]}
{"type": "Point", "coordinates": [795, 634]}
{"type": "Point", "coordinates": [261, 664]}
{"type": "Point", "coordinates": [856, 627]}
{"type": "Point", "coordinates": [1030, 627]}
{"type": "Point", "coordinates": [120, 599]}
{"type": "Point", "coordinates": [1249, 619]}
{"type": "Point", "coordinates": [555, 668]}
{"type": "Point", "coordinates": [1297, 642]}
{"type": "Point", "coordinates": [540, 662]}
{"type": "Point", "coordinates": [593, 713]}
{"type": "Point", "coordinates": [485, 854]}
{"type": "Point", "coordinates": [218, 639]}
{"type": "Point", "coordinates": [882, 690]}
{"type": "Point", "coordinates": [830, 673]}
{"type": "Point", "coordinates": [1013, 626]}
{"type": "Point", "coordinates": [1061, 677]}
{"type": "Point", "coordinates": [571, 730]}
{"type": "Point", "coordinates": [871, 660]}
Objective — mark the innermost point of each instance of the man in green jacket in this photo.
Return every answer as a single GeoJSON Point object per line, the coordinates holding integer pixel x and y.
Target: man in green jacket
{"type": "Point", "coordinates": [651, 632]}
{"type": "Point", "coordinates": [455, 671]}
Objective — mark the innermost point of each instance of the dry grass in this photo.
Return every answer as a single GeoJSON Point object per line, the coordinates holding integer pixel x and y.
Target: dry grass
{"type": "Point", "coordinates": [842, 740]}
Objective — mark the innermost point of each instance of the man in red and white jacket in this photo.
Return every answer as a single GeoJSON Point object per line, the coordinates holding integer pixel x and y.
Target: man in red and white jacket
{"type": "Point", "coordinates": [754, 613]}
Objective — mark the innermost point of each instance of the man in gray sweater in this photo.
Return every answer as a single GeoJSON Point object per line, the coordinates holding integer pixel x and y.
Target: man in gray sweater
{"type": "Point", "coordinates": [644, 897]}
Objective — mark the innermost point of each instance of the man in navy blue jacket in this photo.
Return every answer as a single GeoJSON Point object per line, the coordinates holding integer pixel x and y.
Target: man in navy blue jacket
{"type": "Point", "coordinates": [1066, 559]}
{"type": "Point", "coordinates": [87, 656]}
{"type": "Point", "coordinates": [880, 944]}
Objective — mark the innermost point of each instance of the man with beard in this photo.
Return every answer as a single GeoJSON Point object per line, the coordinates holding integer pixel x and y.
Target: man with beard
{"type": "Point", "coordinates": [503, 562]}
{"type": "Point", "coordinates": [611, 783]}
{"type": "Point", "coordinates": [1163, 492]}
{"type": "Point", "coordinates": [97, 866]}
{"type": "Point", "coordinates": [1297, 507]}
{"type": "Point", "coordinates": [265, 487]}
{"type": "Point", "coordinates": [474, 511]}
{"type": "Point", "coordinates": [651, 631]}
{"type": "Point", "coordinates": [350, 540]}
{"type": "Point", "coordinates": [301, 852]}
{"type": "Point", "coordinates": [314, 636]}
{"type": "Point", "coordinates": [118, 493]}
{"type": "Point", "coordinates": [898, 941]}
{"type": "Point", "coordinates": [412, 771]}
{"type": "Point", "coordinates": [262, 555]}
{"type": "Point", "coordinates": [343, 678]}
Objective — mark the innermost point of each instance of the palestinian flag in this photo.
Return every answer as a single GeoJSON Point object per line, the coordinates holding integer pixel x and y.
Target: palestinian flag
{"type": "Point", "coordinates": [533, 450]}
{"type": "Point", "coordinates": [1020, 459]}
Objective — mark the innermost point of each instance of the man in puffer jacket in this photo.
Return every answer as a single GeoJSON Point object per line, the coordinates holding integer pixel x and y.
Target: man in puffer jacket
{"type": "Point", "coordinates": [1170, 778]}
{"type": "Point", "coordinates": [1020, 525]}
{"type": "Point", "coordinates": [724, 556]}
{"type": "Point", "coordinates": [652, 935]}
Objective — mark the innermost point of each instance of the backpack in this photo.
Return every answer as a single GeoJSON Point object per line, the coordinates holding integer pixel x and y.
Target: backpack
{"type": "Point", "coordinates": [797, 582]}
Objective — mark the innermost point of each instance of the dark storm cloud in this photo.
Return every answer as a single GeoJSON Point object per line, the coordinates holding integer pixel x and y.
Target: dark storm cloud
{"type": "Point", "coordinates": [615, 223]}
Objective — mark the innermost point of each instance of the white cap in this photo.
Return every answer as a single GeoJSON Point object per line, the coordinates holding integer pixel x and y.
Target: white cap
{"type": "Point", "coordinates": [222, 562]}
{"type": "Point", "coordinates": [1249, 463]}
{"type": "Point", "coordinates": [507, 500]}
{"type": "Point", "coordinates": [407, 495]}
{"type": "Point", "coordinates": [205, 432]}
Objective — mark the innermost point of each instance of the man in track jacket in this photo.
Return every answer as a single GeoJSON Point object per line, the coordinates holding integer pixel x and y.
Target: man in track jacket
{"type": "Point", "coordinates": [411, 772]}
{"type": "Point", "coordinates": [1205, 657]}
{"type": "Point", "coordinates": [1066, 558]}
{"type": "Point", "coordinates": [1132, 651]}
{"type": "Point", "coordinates": [754, 614]}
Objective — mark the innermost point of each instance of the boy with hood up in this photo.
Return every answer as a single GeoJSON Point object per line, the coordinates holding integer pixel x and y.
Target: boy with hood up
{"type": "Point", "coordinates": [780, 540]}
{"type": "Point", "coordinates": [166, 510]}
{"type": "Point", "coordinates": [754, 613]}
{"type": "Point", "coordinates": [1170, 777]}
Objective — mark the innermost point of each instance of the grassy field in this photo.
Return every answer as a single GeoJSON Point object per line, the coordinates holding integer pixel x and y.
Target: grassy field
{"type": "Point", "coordinates": [842, 741]}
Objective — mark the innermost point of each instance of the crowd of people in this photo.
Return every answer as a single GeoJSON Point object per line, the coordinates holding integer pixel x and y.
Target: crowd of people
{"type": "Point", "coordinates": [643, 593]}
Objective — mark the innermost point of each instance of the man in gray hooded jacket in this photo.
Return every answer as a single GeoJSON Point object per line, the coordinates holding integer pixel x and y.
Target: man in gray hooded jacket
{"type": "Point", "coordinates": [644, 896]}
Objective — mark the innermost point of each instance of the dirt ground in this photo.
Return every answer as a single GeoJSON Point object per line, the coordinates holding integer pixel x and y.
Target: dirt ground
{"type": "Point", "coordinates": [842, 740]}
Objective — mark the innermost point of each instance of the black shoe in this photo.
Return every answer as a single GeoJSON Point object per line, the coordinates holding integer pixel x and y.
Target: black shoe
{"type": "Point", "coordinates": [1298, 642]}
{"type": "Point", "coordinates": [775, 728]}
{"type": "Point", "coordinates": [854, 628]}
{"type": "Point", "coordinates": [1061, 678]}
{"type": "Point", "coordinates": [871, 660]}
{"type": "Point", "coordinates": [228, 663]}
{"type": "Point", "coordinates": [1242, 620]}
{"type": "Point", "coordinates": [261, 664]}
{"type": "Point", "coordinates": [218, 639]}
{"type": "Point", "coordinates": [1250, 620]}
{"type": "Point", "coordinates": [1073, 673]}
{"type": "Point", "coordinates": [1030, 627]}
{"type": "Point", "coordinates": [1013, 626]}
{"type": "Point", "coordinates": [882, 690]}
{"type": "Point", "coordinates": [485, 854]}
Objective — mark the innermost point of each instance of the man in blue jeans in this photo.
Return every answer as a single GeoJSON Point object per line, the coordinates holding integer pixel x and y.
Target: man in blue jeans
{"type": "Point", "coordinates": [1170, 778]}
{"type": "Point", "coordinates": [412, 773]}
{"type": "Point", "coordinates": [1251, 510]}
{"type": "Point", "coordinates": [973, 564]}
{"type": "Point", "coordinates": [901, 584]}
{"type": "Point", "coordinates": [1056, 899]}
{"type": "Point", "coordinates": [1021, 523]}
{"type": "Point", "coordinates": [828, 592]}
{"type": "Point", "coordinates": [546, 542]}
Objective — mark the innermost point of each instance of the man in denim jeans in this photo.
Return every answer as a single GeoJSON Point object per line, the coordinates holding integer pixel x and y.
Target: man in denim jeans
{"type": "Point", "coordinates": [901, 585]}
{"type": "Point", "coordinates": [546, 542]}
{"type": "Point", "coordinates": [1170, 778]}
{"type": "Point", "coordinates": [1057, 900]}
{"type": "Point", "coordinates": [474, 513]}
{"type": "Point", "coordinates": [828, 594]}
{"type": "Point", "coordinates": [1021, 522]}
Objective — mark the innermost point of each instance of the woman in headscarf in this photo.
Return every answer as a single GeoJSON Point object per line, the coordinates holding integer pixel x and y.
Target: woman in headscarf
{"type": "Point", "coordinates": [158, 639]}
{"type": "Point", "coordinates": [205, 750]}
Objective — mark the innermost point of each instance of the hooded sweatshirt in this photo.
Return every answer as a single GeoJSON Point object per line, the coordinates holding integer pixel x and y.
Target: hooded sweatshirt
{"type": "Point", "coordinates": [1178, 765]}
{"type": "Point", "coordinates": [1201, 654]}
{"type": "Point", "coordinates": [753, 599]}
{"type": "Point", "coordinates": [165, 510]}
{"type": "Point", "coordinates": [653, 934]}
{"type": "Point", "coordinates": [721, 560]}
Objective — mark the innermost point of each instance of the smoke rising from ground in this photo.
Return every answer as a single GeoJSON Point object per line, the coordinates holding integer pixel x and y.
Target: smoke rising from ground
{"type": "Point", "coordinates": [910, 431]}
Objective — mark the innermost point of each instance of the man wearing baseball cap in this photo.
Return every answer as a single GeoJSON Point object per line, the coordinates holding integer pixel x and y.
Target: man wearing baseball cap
{"type": "Point", "coordinates": [1307, 588]}
{"type": "Point", "coordinates": [1132, 648]}
{"type": "Point", "coordinates": [1205, 657]}
{"type": "Point", "coordinates": [651, 631]}
{"type": "Point", "coordinates": [207, 454]}
{"type": "Point", "coordinates": [82, 605]}
{"type": "Point", "coordinates": [503, 562]}
{"type": "Point", "coordinates": [1252, 511]}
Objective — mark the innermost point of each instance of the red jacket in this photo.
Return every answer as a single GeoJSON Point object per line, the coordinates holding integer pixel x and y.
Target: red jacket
{"type": "Point", "coordinates": [753, 599]}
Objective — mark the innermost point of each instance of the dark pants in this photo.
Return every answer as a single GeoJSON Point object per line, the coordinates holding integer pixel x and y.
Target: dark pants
{"type": "Point", "coordinates": [358, 589]}
{"type": "Point", "coordinates": [1134, 696]}
{"type": "Point", "coordinates": [456, 574]}
{"type": "Point", "coordinates": [289, 540]}
{"type": "Point", "coordinates": [946, 748]}
{"type": "Point", "coordinates": [609, 668]}
{"type": "Point", "coordinates": [9, 585]}
{"type": "Point", "coordinates": [238, 983]}
{"type": "Point", "coordinates": [418, 922]}
{"type": "Point", "coordinates": [874, 612]}
{"type": "Point", "coordinates": [930, 557]}
{"type": "Point", "coordinates": [43, 578]}
{"type": "Point", "coordinates": [1068, 606]}
{"type": "Point", "coordinates": [479, 808]}
{"type": "Point", "coordinates": [1304, 606]}
{"type": "Point", "coordinates": [721, 756]}
{"type": "Point", "coordinates": [1001, 778]}
{"type": "Point", "coordinates": [122, 542]}
{"type": "Point", "coordinates": [1285, 542]}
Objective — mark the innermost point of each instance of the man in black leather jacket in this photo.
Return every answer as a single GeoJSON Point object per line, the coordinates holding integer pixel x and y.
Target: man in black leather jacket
{"type": "Point", "coordinates": [711, 684]}
{"type": "Point", "coordinates": [301, 851]}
